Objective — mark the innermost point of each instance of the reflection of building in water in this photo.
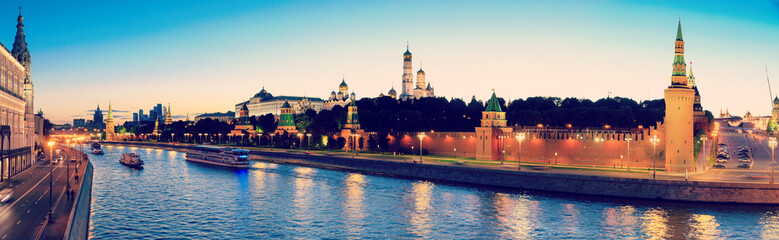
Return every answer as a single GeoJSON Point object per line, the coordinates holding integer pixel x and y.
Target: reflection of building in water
{"type": "Point", "coordinates": [419, 216]}
{"type": "Point", "coordinates": [705, 227]}
{"type": "Point", "coordinates": [515, 215]}
{"type": "Point", "coordinates": [654, 223]}
{"type": "Point", "coordinates": [353, 207]}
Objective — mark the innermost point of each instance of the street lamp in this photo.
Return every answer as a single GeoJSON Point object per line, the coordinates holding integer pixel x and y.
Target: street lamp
{"type": "Point", "coordinates": [200, 137]}
{"type": "Point", "coordinates": [308, 146]}
{"type": "Point", "coordinates": [300, 135]}
{"type": "Point", "coordinates": [67, 171]}
{"type": "Point", "coordinates": [172, 136]}
{"type": "Point", "coordinates": [421, 138]}
{"type": "Point", "coordinates": [520, 137]}
{"type": "Point", "coordinates": [502, 153]}
{"type": "Point", "coordinates": [455, 153]}
{"type": "Point", "coordinates": [555, 158]}
{"type": "Point", "coordinates": [51, 181]}
{"type": "Point", "coordinates": [628, 139]}
{"type": "Point", "coordinates": [654, 140]}
{"type": "Point", "coordinates": [772, 144]}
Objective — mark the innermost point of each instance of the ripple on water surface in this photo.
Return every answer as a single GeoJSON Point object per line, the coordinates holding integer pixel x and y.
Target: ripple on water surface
{"type": "Point", "coordinates": [175, 199]}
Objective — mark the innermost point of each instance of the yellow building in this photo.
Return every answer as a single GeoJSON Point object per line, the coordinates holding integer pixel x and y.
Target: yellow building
{"type": "Point", "coordinates": [679, 99]}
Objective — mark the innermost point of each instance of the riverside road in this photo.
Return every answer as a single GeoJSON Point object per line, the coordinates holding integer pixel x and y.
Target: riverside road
{"type": "Point", "coordinates": [25, 215]}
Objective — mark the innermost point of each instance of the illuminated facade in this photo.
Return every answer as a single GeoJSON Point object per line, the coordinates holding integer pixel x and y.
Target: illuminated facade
{"type": "Point", "coordinates": [489, 142]}
{"type": "Point", "coordinates": [17, 120]}
{"type": "Point", "coordinates": [265, 103]}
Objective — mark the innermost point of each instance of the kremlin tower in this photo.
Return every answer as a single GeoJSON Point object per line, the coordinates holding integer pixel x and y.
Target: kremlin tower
{"type": "Point", "coordinates": [679, 102]}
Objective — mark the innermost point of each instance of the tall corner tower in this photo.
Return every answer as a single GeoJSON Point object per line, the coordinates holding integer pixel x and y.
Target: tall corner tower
{"type": "Point", "coordinates": [22, 54]}
{"type": "Point", "coordinates": [408, 76]}
{"type": "Point", "coordinates": [493, 125]}
{"type": "Point", "coordinates": [679, 100]}
{"type": "Point", "coordinates": [168, 117]}
{"type": "Point", "coordinates": [109, 124]}
{"type": "Point", "coordinates": [286, 120]}
{"type": "Point", "coordinates": [352, 119]}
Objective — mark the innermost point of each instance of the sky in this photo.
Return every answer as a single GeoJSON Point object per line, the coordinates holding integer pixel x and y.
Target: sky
{"type": "Point", "coordinates": [206, 56]}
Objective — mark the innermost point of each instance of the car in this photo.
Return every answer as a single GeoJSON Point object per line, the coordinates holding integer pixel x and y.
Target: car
{"type": "Point", "coordinates": [718, 166]}
{"type": "Point", "coordinates": [724, 156]}
{"type": "Point", "coordinates": [746, 160]}
{"type": "Point", "coordinates": [6, 194]}
{"type": "Point", "coordinates": [73, 159]}
{"type": "Point", "coordinates": [720, 160]}
{"type": "Point", "coordinates": [744, 165]}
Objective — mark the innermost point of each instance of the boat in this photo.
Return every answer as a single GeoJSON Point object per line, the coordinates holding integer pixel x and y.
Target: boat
{"type": "Point", "coordinates": [131, 160]}
{"type": "Point", "coordinates": [95, 145]}
{"type": "Point", "coordinates": [97, 151]}
{"type": "Point", "coordinates": [220, 156]}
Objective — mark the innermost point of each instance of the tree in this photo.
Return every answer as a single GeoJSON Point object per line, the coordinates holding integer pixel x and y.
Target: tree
{"type": "Point", "coordinates": [267, 123]}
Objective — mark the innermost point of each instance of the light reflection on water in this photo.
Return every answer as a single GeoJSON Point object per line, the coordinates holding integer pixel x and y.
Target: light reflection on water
{"type": "Point", "coordinates": [172, 198]}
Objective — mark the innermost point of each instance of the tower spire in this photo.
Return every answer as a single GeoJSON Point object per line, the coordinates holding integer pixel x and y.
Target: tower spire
{"type": "Point", "coordinates": [679, 74]}
{"type": "Point", "coordinates": [20, 51]}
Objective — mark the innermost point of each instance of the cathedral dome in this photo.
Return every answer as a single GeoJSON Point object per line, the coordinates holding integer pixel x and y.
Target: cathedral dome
{"type": "Point", "coordinates": [420, 71]}
{"type": "Point", "coordinates": [352, 96]}
{"type": "Point", "coordinates": [343, 84]}
{"type": "Point", "coordinates": [392, 92]}
{"type": "Point", "coordinates": [776, 100]}
{"type": "Point", "coordinates": [263, 95]}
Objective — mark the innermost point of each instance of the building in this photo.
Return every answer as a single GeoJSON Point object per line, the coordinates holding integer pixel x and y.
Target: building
{"type": "Point", "coordinates": [244, 124]}
{"type": "Point", "coordinates": [97, 119]}
{"type": "Point", "coordinates": [489, 145]}
{"type": "Point", "coordinates": [79, 122]}
{"type": "Point", "coordinates": [679, 102]}
{"type": "Point", "coordinates": [341, 98]}
{"type": "Point", "coordinates": [17, 119]}
{"type": "Point", "coordinates": [135, 117]}
{"type": "Point", "coordinates": [218, 116]}
{"type": "Point", "coordinates": [410, 90]}
{"type": "Point", "coordinates": [286, 120]}
{"type": "Point", "coordinates": [110, 135]}
{"type": "Point", "coordinates": [264, 103]}
{"type": "Point", "coordinates": [700, 121]}
{"type": "Point", "coordinates": [168, 117]}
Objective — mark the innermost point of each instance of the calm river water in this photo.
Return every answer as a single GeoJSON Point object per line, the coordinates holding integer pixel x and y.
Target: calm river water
{"type": "Point", "coordinates": [175, 199]}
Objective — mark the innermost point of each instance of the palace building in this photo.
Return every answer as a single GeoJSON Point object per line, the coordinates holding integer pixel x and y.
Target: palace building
{"type": "Point", "coordinates": [264, 103]}
{"type": "Point", "coordinates": [410, 90]}
{"type": "Point", "coordinates": [17, 120]}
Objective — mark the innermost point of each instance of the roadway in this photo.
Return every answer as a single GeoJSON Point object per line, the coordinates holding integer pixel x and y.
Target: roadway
{"type": "Point", "coordinates": [25, 215]}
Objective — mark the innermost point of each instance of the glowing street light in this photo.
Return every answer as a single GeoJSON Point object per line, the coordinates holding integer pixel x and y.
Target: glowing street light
{"type": "Point", "coordinates": [308, 146]}
{"type": "Point", "coordinates": [421, 138]}
{"type": "Point", "coordinates": [520, 137]}
{"type": "Point", "coordinates": [51, 180]}
{"type": "Point", "coordinates": [772, 143]}
{"type": "Point", "coordinates": [654, 140]}
{"type": "Point", "coordinates": [629, 138]}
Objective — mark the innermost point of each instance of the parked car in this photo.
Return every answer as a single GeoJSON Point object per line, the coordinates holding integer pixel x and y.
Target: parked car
{"type": "Point", "coordinates": [723, 155]}
{"type": "Point", "coordinates": [719, 165]}
{"type": "Point", "coordinates": [721, 160]}
{"type": "Point", "coordinates": [73, 159]}
{"type": "Point", "coordinates": [745, 160]}
{"type": "Point", "coordinates": [744, 165]}
{"type": "Point", "coordinates": [6, 194]}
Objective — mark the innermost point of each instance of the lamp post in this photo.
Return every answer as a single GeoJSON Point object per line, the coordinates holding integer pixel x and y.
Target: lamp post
{"type": "Point", "coordinates": [300, 140]}
{"type": "Point", "coordinates": [308, 146]}
{"type": "Point", "coordinates": [502, 152]}
{"type": "Point", "coordinates": [703, 147]}
{"type": "Point", "coordinates": [220, 139]}
{"type": "Point", "coordinates": [520, 137]}
{"type": "Point", "coordinates": [200, 137]}
{"type": "Point", "coordinates": [172, 136]}
{"type": "Point", "coordinates": [51, 180]}
{"type": "Point", "coordinates": [454, 154]}
{"type": "Point", "coordinates": [654, 140]}
{"type": "Point", "coordinates": [67, 171]}
{"type": "Point", "coordinates": [772, 143]}
{"type": "Point", "coordinates": [628, 139]}
{"type": "Point", "coordinates": [421, 138]}
{"type": "Point", "coordinates": [555, 158]}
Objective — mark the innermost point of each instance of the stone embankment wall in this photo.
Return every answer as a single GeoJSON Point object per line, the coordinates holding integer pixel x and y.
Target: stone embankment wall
{"type": "Point", "coordinates": [78, 224]}
{"type": "Point", "coordinates": [693, 191]}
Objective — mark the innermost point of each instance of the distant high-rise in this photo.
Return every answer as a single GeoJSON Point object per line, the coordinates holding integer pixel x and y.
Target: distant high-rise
{"type": "Point", "coordinates": [141, 117]}
{"type": "Point", "coordinates": [135, 117]}
{"type": "Point", "coordinates": [97, 119]}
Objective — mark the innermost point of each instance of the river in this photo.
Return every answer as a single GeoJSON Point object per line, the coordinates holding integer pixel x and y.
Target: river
{"type": "Point", "coordinates": [175, 199]}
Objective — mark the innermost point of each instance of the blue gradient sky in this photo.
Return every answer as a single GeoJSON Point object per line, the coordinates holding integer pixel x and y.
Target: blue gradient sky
{"type": "Point", "coordinates": [206, 56]}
